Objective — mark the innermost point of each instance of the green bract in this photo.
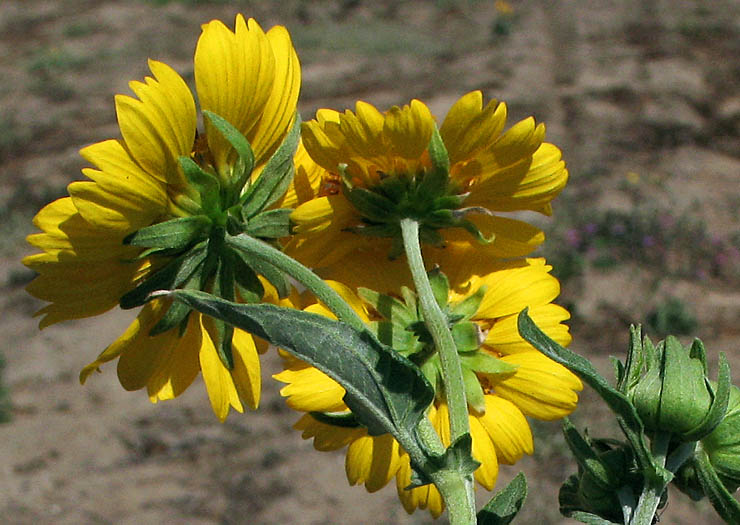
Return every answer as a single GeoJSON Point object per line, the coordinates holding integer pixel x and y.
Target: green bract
{"type": "Point", "coordinates": [722, 445]}
{"type": "Point", "coordinates": [404, 329]}
{"type": "Point", "coordinates": [428, 197]}
{"type": "Point", "coordinates": [196, 252]}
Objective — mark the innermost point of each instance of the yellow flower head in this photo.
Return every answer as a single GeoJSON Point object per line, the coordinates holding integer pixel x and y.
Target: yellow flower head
{"type": "Point", "coordinates": [251, 80]}
{"type": "Point", "coordinates": [506, 379]}
{"type": "Point", "coordinates": [382, 166]}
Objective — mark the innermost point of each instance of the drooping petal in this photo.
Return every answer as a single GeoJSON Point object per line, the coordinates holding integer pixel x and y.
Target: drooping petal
{"type": "Point", "coordinates": [308, 389]}
{"type": "Point", "coordinates": [485, 453]}
{"type": "Point", "coordinates": [409, 129]}
{"type": "Point", "coordinates": [327, 437]}
{"type": "Point", "coordinates": [507, 429]}
{"type": "Point", "coordinates": [246, 373]}
{"type": "Point", "coordinates": [511, 237]}
{"type": "Point", "coordinates": [219, 384]}
{"type": "Point", "coordinates": [306, 181]}
{"type": "Point", "coordinates": [372, 461]}
{"type": "Point", "coordinates": [179, 365]}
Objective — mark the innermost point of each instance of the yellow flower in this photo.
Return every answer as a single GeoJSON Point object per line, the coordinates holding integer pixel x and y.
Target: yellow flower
{"type": "Point", "coordinates": [249, 78]}
{"type": "Point", "coordinates": [514, 380]}
{"type": "Point", "coordinates": [490, 171]}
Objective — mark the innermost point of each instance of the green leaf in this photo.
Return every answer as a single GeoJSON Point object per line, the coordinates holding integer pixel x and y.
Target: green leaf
{"type": "Point", "coordinates": [385, 391]}
{"type": "Point", "coordinates": [239, 142]}
{"type": "Point", "coordinates": [206, 184]}
{"type": "Point", "coordinates": [246, 281]}
{"type": "Point", "coordinates": [174, 234]}
{"type": "Point", "coordinates": [586, 457]}
{"type": "Point", "coordinates": [506, 504]}
{"type": "Point", "coordinates": [276, 176]}
{"type": "Point", "coordinates": [720, 401]}
{"type": "Point", "coordinates": [618, 402]}
{"type": "Point", "coordinates": [726, 506]}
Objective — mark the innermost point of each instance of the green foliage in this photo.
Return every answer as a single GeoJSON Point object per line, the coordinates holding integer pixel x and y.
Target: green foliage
{"type": "Point", "coordinates": [671, 316]}
{"type": "Point", "coordinates": [505, 505]}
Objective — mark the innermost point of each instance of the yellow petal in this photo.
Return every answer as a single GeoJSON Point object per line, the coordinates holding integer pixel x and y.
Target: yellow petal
{"type": "Point", "coordinates": [540, 388]}
{"type": "Point", "coordinates": [327, 437]}
{"type": "Point", "coordinates": [485, 453]}
{"type": "Point", "coordinates": [310, 390]}
{"type": "Point", "coordinates": [510, 291]}
{"type": "Point", "coordinates": [373, 461]}
{"type": "Point", "coordinates": [469, 127]}
{"type": "Point", "coordinates": [279, 110]}
{"type": "Point", "coordinates": [246, 372]}
{"type": "Point", "coordinates": [306, 182]}
{"type": "Point", "coordinates": [409, 129]}
{"type": "Point", "coordinates": [511, 237]}
{"type": "Point", "coordinates": [159, 127]}
{"type": "Point", "coordinates": [234, 76]}
{"type": "Point", "coordinates": [520, 141]}
{"type": "Point", "coordinates": [140, 354]}
{"type": "Point", "coordinates": [503, 337]}
{"type": "Point", "coordinates": [219, 384]}
{"type": "Point", "coordinates": [507, 429]}
{"type": "Point", "coordinates": [179, 365]}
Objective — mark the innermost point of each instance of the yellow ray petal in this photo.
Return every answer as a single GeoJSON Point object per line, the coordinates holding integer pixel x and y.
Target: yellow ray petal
{"type": "Point", "coordinates": [306, 182]}
{"type": "Point", "coordinates": [246, 372]}
{"type": "Point", "coordinates": [310, 390]}
{"type": "Point", "coordinates": [159, 127]}
{"type": "Point", "coordinates": [469, 127]}
{"type": "Point", "coordinates": [219, 384]}
{"type": "Point", "coordinates": [279, 110]}
{"type": "Point", "coordinates": [503, 337]}
{"type": "Point", "coordinates": [409, 129]}
{"type": "Point", "coordinates": [234, 73]}
{"type": "Point", "coordinates": [327, 437]}
{"type": "Point", "coordinates": [485, 453]}
{"type": "Point", "coordinates": [179, 368]}
{"type": "Point", "coordinates": [512, 238]}
{"type": "Point", "coordinates": [507, 428]}
{"type": "Point", "coordinates": [372, 461]}
{"type": "Point", "coordinates": [510, 291]}
{"type": "Point", "coordinates": [540, 388]}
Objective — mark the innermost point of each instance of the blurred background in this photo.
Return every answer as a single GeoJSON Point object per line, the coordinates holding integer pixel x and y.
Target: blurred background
{"type": "Point", "coordinates": [641, 96]}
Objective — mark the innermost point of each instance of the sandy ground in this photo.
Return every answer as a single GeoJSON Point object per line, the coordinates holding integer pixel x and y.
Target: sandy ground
{"type": "Point", "coordinates": [644, 87]}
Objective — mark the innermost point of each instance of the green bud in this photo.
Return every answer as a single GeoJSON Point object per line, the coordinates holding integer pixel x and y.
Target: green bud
{"type": "Point", "coordinates": [673, 393]}
{"type": "Point", "coordinates": [722, 445]}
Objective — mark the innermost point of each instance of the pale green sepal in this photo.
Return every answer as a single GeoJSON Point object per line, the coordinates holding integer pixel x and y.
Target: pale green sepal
{"type": "Point", "coordinates": [275, 177]}
{"type": "Point", "coordinates": [270, 224]}
{"type": "Point", "coordinates": [440, 286]}
{"type": "Point", "coordinates": [720, 401]}
{"type": "Point", "coordinates": [435, 183]}
{"type": "Point", "coordinates": [167, 278]}
{"type": "Point", "coordinates": [468, 307]}
{"type": "Point", "coordinates": [240, 173]}
{"type": "Point", "coordinates": [371, 205]}
{"type": "Point", "coordinates": [484, 363]}
{"type": "Point", "coordinates": [389, 307]}
{"type": "Point", "coordinates": [206, 185]}
{"type": "Point", "coordinates": [175, 234]}
{"type": "Point", "coordinates": [474, 394]}
{"type": "Point", "coordinates": [276, 277]}
{"type": "Point", "coordinates": [506, 504]}
{"type": "Point", "coordinates": [395, 336]}
{"type": "Point", "coordinates": [247, 283]}
{"type": "Point", "coordinates": [467, 336]}
{"type": "Point", "coordinates": [720, 498]}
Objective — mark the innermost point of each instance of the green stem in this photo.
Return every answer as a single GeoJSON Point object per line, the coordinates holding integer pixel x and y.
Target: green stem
{"type": "Point", "coordinates": [654, 487]}
{"type": "Point", "coordinates": [303, 275]}
{"type": "Point", "coordinates": [456, 489]}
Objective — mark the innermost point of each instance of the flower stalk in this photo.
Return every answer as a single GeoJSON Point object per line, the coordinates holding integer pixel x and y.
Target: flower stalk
{"type": "Point", "coordinates": [454, 386]}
